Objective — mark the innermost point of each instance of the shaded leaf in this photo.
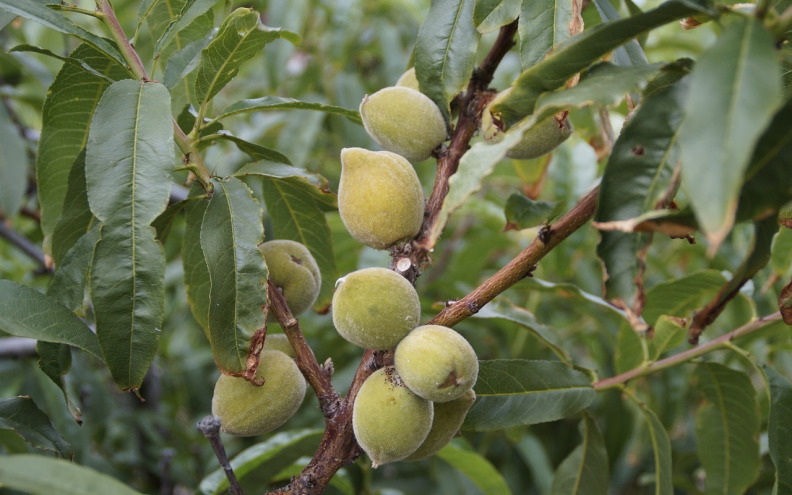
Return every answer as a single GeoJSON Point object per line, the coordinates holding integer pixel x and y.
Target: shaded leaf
{"type": "Point", "coordinates": [524, 213]}
{"type": "Point", "coordinates": [683, 295]}
{"type": "Point", "coordinates": [445, 51]}
{"type": "Point", "coordinates": [315, 184]}
{"type": "Point", "coordinates": [13, 166]}
{"type": "Point", "coordinates": [668, 333]}
{"type": "Point", "coordinates": [25, 312]}
{"type": "Point", "coordinates": [573, 291]}
{"type": "Point", "coordinates": [191, 10]}
{"type": "Point", "coordinates": [23, 416]}
{"type": "Point", "coordinates": [257, 151]}
{"type": "Point", "coordinates": [183, 62]}
{"type": "Point", "coordinates": [71, 101]}
{"type": "Point", "coordinates": [55, 361]}
{"type": "Point", "coordinates": [267, 103]}
{"type": "Point", "coordinates": [127, 164]}
{"type": "Point", "coordinates": [76, 217]}
{"type": "Point", "coordinates": [196, 273]}
{"type": "Point", "coordinates": [637, 176]}
{"type": "Point", "coordinates": [38, 12]}
{"type": "Point", "coordinates": [476, 468]}
{"type": "Point", "coordinates": [489, 15]}
{"type": "Point", "coordinates": [661, 448]}
{"type": "Point", "coordinates": [68, 285]}
{"type": "Point", "coordinates": [297, 216]}
{"type": "Point", "coordinates": [266, 459]}
{"type": "Point", "coordinates": [779, 429]}
{"type": "Point", "coordinates": [240, 38]}
{"type": "Point", "coordinates": [544, 24]}
{"type": "Point", "coordinates": [629, 53]}
{"type": "Point", "coordinates": [630, 350]}
{"type": "Point", "coordinates": [727, 429]}
{"type": "Point", "coordinates": [734, 93]}
{"type": "Point", "coordinates": [39, 475]}
{"type": "Point", "coordinates": [230, 234]}
{"type": "Point", "coordinates": [512, 392]}
{"type": "Point", "coordinates": [577, 54]}
{"type": "Point", "coordinates": [585, 470]}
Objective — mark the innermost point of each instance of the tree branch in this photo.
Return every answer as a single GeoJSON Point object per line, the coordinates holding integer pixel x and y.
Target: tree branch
{"type": "Point", "coordinates": [210, 428]}
{"type": "Point", "coordinates": [25, 245]}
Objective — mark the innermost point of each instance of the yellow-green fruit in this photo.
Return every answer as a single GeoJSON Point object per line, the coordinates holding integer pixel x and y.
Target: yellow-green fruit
{"type": "Point", "coordinates": [247, 410]}
{"type": "Point", "coordinates": [448, 418]}
{"type": "Point", "coordinates": [542, 138]}
{"type": "Point", "coordinates": [436, 363]}
{"type": "Point", "coordinates": [375, 308]}
{"type": "Point", "coordinates": [379, 197]}
{"type": "Point", "coordinates": [403, 120]}
{"type": "Point", "coordinates": [389, 421]}
{"type": "Point", "coordinates": [408, 79]}
{"type": "Point", "coordinates": [293, 270]}
{"type": "Point", "coordinates": [279, 342]}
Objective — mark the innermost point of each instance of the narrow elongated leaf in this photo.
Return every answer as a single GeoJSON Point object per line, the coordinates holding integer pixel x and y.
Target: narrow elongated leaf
{"type": "Point", "coordinates": [681, 296]}
{"type": "Point", "coordinates": [544, 24]}
{"type": "Point", "coordinates": [569, 290]}
{"type": "Point", "coordinates": [661, 449]}
{"type": "Point", "coordinates": [779, 429]}
{"type": "Point", "coordinates": [727, 429]}
{"type": "Point", "coordinates": [445, 51]}
{"type": "Point", "coordinates": [257, 151]}
{"type": "Point", "coordinates": [585, 470]}
{"type": "Point", "coordinates": [490, 15]}
{"type": "Point", "coordinates": [128, 161]}
{"type": "Point", "coordinates": [502, 308]}
{"type": "Point", "coordinates": [240, 38]}
{"type": "Point", "coordinates": [165, 12]}
{"type": "Point", "coordinates": [13, 166]}
{"type": "Point", "coordinates": [577, 54]}
{"type": "Point", "coordinates": [76, 218]}
{"type": "Point", "coordinates": [55, 361]}
{"type": "Point", "coordinates": [192, 10]}
{"type": "Point", "coordinates": [23, 416]}
{"type": "Point", "coordinates": [637, 176]}
{"type": "Point", "coordinates": [39, 475]}
{"type": "Point", "coordinates": [38, 12]}
{"type": "Point", "coordinates": [196, 273]}
{"type": "Point", "coordinates": [270, 457]}
{"type": "Point", "coordinates": [524, 213]}
{"type": "Point", "coordinates": [230, 234]}
{"type": "Point", "coordinates": [631, 52]}
{"type": "Point", "coordinates": [512, 392]}
{"type": "Point", "coordinates": [668, 333]}
{"type": "Point", "coordinates": [630, 350]}
{"type": "Point", "coordinates": [274, 103]}
{"type": "Point", "coordinates": [314, 184]}
{"type": "Point", "coordinates": [297, 216]}
{"type": "Point", "coordinates": [71, 101]}
{"type": "Point", "coordinates": [476, 468]}
{"type": "Point", "coordinates": [68, 285]}
{"type": "Point", "coordinates": [25, 312]}
{"type": "Point", "coordinates": [734, 93]}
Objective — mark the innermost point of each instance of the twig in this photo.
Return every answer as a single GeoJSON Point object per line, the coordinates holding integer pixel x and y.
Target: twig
{"type": "Point", "coordinates": [15, 347]}
{"type": "Point", "coordinates": [25, 245]}
{"type": "Point", "coordinates": [210, 428]}
{"type": "Point", "coordinates": [522, 265]}
{"type": "Point", "coordinates": [682, 357]}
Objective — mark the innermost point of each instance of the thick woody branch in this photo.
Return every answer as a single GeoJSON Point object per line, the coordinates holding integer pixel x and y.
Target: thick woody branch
{"type": "Point", "coordinates": [522, 265]}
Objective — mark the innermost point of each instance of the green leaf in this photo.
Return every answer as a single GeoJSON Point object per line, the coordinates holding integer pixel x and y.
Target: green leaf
{"type": "Point", "coordinates": [25, 312]}
{"type": "Point", "coordinates": [258, 152]}
{"type": "Point", "coordinates": [513, 392]}
{"type": "Point", "coordinates": [544, 24]}
{"type": "Point", "coordinates": [779, 429]}
{"type": "Point", "coordinates": [490, 15]}
{"type": "Point", "coordinates": [683, 295]}
{"type": "Point", "coordinates": [637, 176]}
{"type": "Point", "coordinates": [39, 475]}
{"type": "Point", "coordinates": [476, 468]}
{"type": "Point", "coordinates": [502, 308]}
{"type": "Point", "coordinates": [314, 184]}
{"type": "Point", "coordinates": [727, 429]}
{"type": "Point", "coordinates": [68, 285]}
{"type": "Point", "coordinates": [165, 12]}
{"type": "Point", "coordinates": [668, 333]}
{"type": "Point", "coordinates": [734, 93]}
{"type": "Point", "coordinates": [55, 361]}
{"type": "Point", "coordinates": [767, 180]}
{"type": "Point", "coordinates": [274, 103]}
{"type": "Point", "coordinates": [297, 216]}
{"type": "Point", "coordinates": [191, 10]}
{"type": "Point", "coordinates": [445, 51]}
{"type": "Point", "coordinates": [230, 234]}
{"type": "Point", "coordinates": [578, 53]}
{"type": "Point", "coordinates": [631, 52]}
{"type": "Point", "coordinates": [240, 38]}
{"type": "Point", "coordinates": [569, 290]}
{"type": "Point", "coordinates": [630, 350]}
{"type": "Point", "coordinates": [524, 213]}
{"type": "Point", "coordinates": [38, 12]}
{"type": "Point", "coordinates": [13, 166]}
{"type": "Point", "coordinates": [127, 166]}
{"type": "Point", "coordinates": [661, 448]}
{"type": "Point", "coordinates": [265, 459]}
{"type": "Point", "coordinates": [23, 416]}
{"type": "Point", "coordinates": [585, 470]}
{"type": "Point", "coordinates": [781, 258]}
{"type": "Point", "coordinates": [76, 217]}
{"type": "Point", "coordinates": [196, 273]}
{"type": "Point", "coordinates": [71, 101]}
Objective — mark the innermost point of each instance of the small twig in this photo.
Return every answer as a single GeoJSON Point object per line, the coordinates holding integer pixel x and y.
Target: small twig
{"type": "Point", "coordinates": [16, 347]}
{"type": "Point", "coordinates": [26, 246]}
{"type": "Point", "coordinates": [682, 357]}
{"type": "Point", "coordinates": [210, 428]}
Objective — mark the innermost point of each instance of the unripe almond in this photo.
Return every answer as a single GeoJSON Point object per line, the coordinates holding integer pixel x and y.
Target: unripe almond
{"type": "Point", "coordinates": [405, 121]}
{"type": "Point", "coordinates": [408, 80]}
{"type": "Point", "coordinates": [448, 419]}
{"type": "Point", "coordinates": [379, 197]}
{"type": "Point", "coordinates": [293, 269]}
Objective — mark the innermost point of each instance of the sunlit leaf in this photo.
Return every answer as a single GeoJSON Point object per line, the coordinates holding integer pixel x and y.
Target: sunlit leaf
{"type": "Point", "coordinates": [490, 15]}
{"type": "Point", "coordinates": [544, 24]}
